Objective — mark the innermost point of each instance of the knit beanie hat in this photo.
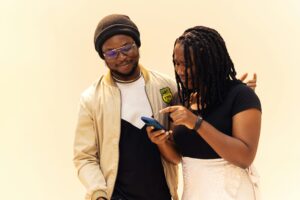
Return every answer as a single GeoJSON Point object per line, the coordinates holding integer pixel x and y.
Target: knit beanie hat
{"type": "Point", "coordinates": [112, 25]}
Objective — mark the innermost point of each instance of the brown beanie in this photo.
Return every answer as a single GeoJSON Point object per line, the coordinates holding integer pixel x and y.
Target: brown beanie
{"type": "Point", "coordinates": [112, 25]}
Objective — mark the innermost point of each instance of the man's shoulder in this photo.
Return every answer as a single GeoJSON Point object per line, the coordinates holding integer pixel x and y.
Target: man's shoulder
{"type": "Point", "coordinates": [91, 91]}
{"type": "Point", "coordinates": [161, 76]}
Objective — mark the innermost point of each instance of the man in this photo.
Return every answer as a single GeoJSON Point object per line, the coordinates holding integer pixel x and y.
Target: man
{"type": "Point", "coordinates": [112, 152]}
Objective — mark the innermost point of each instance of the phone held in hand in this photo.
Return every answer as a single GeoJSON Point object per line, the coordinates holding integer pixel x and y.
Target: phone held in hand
{"type": "Point", "coordinates": [153, 122]}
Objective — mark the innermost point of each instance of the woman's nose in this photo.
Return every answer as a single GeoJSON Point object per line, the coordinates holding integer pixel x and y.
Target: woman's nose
{"type": "Point", "coordinates": [180, 70]}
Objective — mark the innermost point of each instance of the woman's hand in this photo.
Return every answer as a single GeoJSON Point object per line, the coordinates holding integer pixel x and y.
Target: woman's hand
{"type": "Point", "coordinates": [181, 116]}
{"type": "Point", "coordinates": [158, 137]}
{"type": "Point", "coordinates": [165, 146]}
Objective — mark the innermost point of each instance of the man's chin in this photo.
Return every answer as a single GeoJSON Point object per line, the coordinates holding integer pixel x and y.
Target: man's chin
{"type": "Point", "coordinates": [126, 71]}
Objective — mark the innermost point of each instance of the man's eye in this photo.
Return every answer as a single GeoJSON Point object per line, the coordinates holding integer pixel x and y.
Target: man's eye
{"type": "Point", "coordinates": [126, 48]}
{"type": "Point", "coordinates": [111, 53]}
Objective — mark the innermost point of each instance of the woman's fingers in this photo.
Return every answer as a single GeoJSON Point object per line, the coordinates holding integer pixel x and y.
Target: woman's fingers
{"type": "Point", "coordinates": [158, 136]}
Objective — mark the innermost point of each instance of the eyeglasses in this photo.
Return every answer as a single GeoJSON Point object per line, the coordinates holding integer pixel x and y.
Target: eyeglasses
{"type": "Point", "coordinates": [125, 50]}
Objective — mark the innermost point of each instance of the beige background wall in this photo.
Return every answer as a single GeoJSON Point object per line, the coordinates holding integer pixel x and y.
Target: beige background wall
{"type": "Point", "coordinates": [48, 59]}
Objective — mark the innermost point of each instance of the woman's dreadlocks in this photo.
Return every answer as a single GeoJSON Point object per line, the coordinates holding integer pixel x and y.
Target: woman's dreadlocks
{"type": "Point", "coordinates": [213, 69]}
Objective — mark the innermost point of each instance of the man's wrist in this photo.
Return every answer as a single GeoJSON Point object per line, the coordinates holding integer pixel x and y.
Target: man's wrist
{"type": "Point", "coordinates": [99, 195]}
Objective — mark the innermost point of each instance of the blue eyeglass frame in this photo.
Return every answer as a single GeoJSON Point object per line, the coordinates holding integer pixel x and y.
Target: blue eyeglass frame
{"type": "Point", "coordinates": [113, 53]}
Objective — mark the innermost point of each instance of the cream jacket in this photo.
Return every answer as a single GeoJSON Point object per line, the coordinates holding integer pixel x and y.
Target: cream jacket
{"type": "Point", "coordinates": [96, 146]}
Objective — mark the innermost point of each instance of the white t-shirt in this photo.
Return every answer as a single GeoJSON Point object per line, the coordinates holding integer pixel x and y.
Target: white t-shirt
{"type": "Point", "coordinates": [135, 102]}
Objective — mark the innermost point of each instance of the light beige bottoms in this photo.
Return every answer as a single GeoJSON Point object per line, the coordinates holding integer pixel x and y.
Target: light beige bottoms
{"type": "Point", "coordinates": [217, 179]}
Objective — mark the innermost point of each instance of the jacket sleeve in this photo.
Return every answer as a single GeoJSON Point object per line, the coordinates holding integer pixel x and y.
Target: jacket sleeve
{"type": "Point", "coordinates": [86, 155]}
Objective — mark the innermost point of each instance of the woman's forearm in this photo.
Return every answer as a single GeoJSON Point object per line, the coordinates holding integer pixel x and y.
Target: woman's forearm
{"type": "Point", "coordinates": [169, 152]}
{"type": "Point", "coordinates": [229, 148]}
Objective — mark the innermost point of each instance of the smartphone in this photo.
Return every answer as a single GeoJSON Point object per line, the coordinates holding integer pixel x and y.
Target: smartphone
{"type": "Point", "coordinates": [153, 122]}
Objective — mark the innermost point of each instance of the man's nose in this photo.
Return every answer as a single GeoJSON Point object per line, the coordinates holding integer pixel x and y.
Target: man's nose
{"type": "Point", "coordinates": [121, 56]}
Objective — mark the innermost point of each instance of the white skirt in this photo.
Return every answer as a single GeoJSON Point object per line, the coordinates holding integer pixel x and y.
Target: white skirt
{"type": "Point", "coordinates": [217, 179]}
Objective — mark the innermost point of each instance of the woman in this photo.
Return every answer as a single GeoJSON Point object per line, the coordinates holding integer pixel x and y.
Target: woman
{"type": "Point", "coordinates": [217, 124]}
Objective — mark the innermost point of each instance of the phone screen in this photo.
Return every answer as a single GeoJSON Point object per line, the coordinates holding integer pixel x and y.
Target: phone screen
{"type": "Point", "coordinates": [152, 122]}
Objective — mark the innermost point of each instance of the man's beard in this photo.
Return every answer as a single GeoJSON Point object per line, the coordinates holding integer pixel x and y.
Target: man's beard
{"type": "Point", "coordinates": [126, 75]}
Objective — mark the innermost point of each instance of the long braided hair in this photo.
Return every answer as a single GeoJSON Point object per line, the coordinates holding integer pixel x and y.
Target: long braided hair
{"type": "Point", "coordinates": [213, 70]}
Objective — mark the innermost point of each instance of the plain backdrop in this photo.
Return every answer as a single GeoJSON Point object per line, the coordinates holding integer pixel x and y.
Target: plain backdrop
{"type": "Point", "coordinates": [47, 59]}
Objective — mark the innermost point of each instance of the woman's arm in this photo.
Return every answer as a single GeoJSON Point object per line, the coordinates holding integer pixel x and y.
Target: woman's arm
{"type": "Point", "coordinates": [240, 148]}
{"type": "Point", "coordinates": [163, 140]}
